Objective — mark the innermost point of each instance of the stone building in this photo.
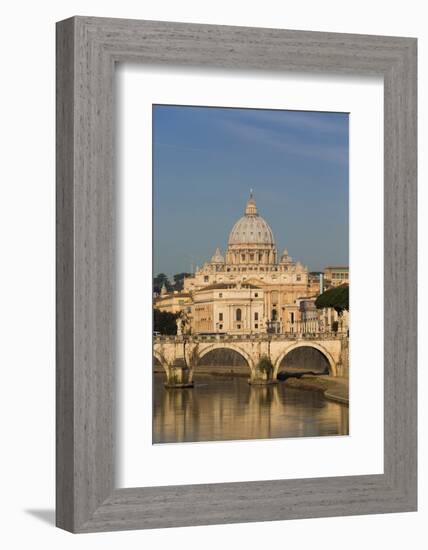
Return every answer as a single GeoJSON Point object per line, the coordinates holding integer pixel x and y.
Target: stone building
{"type": "Point", "coordinates": [251, 254]}
{"type": "Point", "coordinates": [250, 288]}
{"type": "Point", "coordinates": [336, 276]}
{"type": "Point", "coordinates": [251, 262]}
{"type": "Point", "coordinates": [230, 308]}
{"type": "Point", "coordinates": [315, 283]}
{"type": "Point", "coordinates": [173, 302]}
{"type": "Point", "coordinates": [330, 321]}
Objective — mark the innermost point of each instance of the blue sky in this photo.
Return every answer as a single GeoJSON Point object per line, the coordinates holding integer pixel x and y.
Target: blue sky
{"type": "Point", "coordinates": [206, 160]}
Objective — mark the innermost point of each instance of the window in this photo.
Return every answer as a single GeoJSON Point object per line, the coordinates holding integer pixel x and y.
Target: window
{"type": "Point", "coordinates": [260, 257]}
{"type": "Point", "coordinates": [243, 257]}
{"type": "Point", "coordinates": [220, 295]}
{"type": "Point", "coordinates": [298, 277]}
{"type": "Point", "coordinates": [256, 316]}
{"type": "Point", "coordinates": [274, 314]}
{"type": "Point", "coordinates": [256, 326]}
{"type": "Point", "coordinates": [220, 316]}
{"type": "Point", "coordinates": [292, 318]}
{"type": "Point", "coordinates": [256, 295]}
{"type": "Point", "coordinates": [206, 278]}
{"type": "Point", "coordinates": [238, 315]}
{"type": "Point", "coordinates": [252, 257]}
{"type": "Point", "coordinates": [238, 326]}
{"type": "Point", "coordinates": [220, 327]}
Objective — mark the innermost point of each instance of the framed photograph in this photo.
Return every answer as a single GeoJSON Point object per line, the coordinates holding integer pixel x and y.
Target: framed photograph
{"type": "Point", "coordinates": [236, 274]}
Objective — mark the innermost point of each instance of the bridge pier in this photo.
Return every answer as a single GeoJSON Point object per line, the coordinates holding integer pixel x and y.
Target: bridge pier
{"type": "Point", "coordinates": [262, 377]}
{"type": "Point", "coordinates": [179, 375]}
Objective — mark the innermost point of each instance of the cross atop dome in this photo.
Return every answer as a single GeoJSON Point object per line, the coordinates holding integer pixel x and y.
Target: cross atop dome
{"type": "Point", "coordinates": [251, 208]}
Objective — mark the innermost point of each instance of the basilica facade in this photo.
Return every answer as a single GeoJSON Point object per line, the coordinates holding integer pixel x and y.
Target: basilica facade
{"type": "Point", "coordinates": [249, 288]}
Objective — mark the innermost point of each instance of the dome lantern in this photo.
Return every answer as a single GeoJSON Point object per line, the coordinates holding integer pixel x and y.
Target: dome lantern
{"type": "Point", "coordinates": [251, 208]}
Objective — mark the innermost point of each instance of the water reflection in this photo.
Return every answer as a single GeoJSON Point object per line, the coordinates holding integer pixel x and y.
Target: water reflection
{"type": "Point", "coordinates": [225, 408]}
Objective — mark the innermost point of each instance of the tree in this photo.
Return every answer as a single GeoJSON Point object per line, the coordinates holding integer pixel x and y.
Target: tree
{"type": "Point", "coordinates": [164, 322]}
{"type": "Point", "coordinates": [337, 298]}
{"type": "Point", "coordinates": [265, 364]}
{"type": "Point", "coordinates": [179, 280]}
{"type": "Point", "coordinates": [160, 280]}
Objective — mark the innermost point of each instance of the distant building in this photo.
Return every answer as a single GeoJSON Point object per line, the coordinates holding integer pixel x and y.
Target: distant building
{"type": "Point", "coordinates": [173, 302]}
{"type": "Point", "coordinates": [251, 261]}
{"type": "Point", "coordinates": [330, 321]}
{"type": "Point", "coordinates": [251, 256]}
{"type": "Point", "coordinates": [336, 276]}
{"type": "Point", "coordinates": [231, 308]}
{"type": "Point", "coordinates": [309, 315]}
{"type": "Point", "coordinates": [249, 289]}
{"type": "Point", "coordinates": [315, 281]}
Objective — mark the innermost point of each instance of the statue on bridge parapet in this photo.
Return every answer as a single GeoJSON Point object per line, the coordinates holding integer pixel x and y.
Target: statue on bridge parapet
{"type": "Point", "coordinates": [183, 323]}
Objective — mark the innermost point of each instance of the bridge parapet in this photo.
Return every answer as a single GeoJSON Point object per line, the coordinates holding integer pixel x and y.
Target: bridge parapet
{"type": "Point", "coordinates": [250, 337]}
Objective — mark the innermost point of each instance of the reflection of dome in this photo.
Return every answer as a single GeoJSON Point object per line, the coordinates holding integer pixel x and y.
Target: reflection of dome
{"type": "Point", "coordinates": [251, 228]}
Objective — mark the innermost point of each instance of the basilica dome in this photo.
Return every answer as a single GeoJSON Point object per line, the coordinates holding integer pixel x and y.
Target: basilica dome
{"type": "Point", "coordinates": [251, 228]}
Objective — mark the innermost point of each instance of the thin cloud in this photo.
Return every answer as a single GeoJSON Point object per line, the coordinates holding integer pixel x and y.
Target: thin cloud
{"type": "Point", "coordinates": [319, 122]}
{"type": "Point", "coordinates": [269, 137]}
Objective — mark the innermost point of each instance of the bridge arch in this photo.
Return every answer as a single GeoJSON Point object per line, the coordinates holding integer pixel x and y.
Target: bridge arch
{"type": "Point", "coordinates": [225, 346]}
{"type": "Point", "coordinates": [331, 362]}
{"type": "Point", "coordinates": [161, 359]}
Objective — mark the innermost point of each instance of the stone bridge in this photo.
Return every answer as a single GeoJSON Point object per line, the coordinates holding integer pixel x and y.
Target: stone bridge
{"type": "Point", "coordinates": [180, 355]}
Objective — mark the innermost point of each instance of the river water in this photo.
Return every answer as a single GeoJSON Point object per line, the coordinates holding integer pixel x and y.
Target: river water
{"type": "Point", "coordinates": [222, 408]}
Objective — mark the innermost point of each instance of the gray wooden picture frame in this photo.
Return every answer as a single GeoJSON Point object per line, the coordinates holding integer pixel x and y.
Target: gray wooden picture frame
{"type": "Point", "coordinates": [87, 50]}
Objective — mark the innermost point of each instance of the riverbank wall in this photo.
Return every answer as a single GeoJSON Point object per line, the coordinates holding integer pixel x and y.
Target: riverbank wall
{"type": "Point", "coordinates": [334, 389]}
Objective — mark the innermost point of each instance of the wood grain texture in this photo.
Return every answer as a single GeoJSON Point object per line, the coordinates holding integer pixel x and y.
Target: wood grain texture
{"type": "Point", "coordinates": [87, 49]}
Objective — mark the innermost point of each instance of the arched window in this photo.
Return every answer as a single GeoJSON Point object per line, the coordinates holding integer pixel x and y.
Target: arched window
{"type": "Point", "coordinates": [238, 314]}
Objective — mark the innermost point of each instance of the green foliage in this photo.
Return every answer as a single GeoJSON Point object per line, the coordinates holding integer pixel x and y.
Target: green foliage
{"type": "Point", "coordinates": [337, 298]}
{"type": "Point", "coordinates": [164, 322]}
{"type": "Point", "coordinates": [265, 364]}
{"type": "Point", "coordinates": [179, 280]}
{"type": "Point", "coordinates": [160, 280]}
